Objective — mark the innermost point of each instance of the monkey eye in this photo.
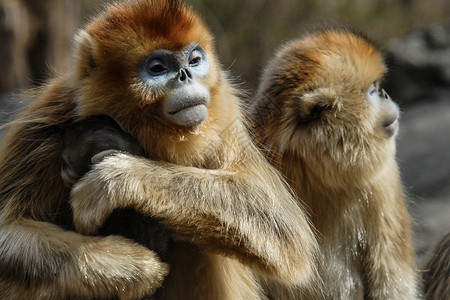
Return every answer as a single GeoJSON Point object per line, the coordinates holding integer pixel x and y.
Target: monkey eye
{"type": "Point", "coordinates": [195, 58]}
{"type": "Point", "coordinates": [156, 67]}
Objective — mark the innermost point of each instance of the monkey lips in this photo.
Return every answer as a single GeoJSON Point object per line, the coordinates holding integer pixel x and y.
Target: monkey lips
{"type": "Point", "coordinates": [187, 106]}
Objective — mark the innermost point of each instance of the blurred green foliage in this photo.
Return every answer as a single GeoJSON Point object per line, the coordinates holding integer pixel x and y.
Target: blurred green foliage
{"type": "Point", "coordinates": [248, 31]}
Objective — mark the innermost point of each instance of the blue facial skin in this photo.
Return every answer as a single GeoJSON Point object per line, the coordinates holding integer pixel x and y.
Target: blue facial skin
{"type": "Point", "coordinates": [177, 74]}
{"type": "Point", "coordinates": [162, 67]}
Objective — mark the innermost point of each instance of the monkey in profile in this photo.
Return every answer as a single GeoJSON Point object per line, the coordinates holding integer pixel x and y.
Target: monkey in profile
{"type": "Point", "coordinates": [151, 66]}
{"type": "Point", "coordinates": [326, 124]}
{"type": "Point", "coordinates": [436, 271]}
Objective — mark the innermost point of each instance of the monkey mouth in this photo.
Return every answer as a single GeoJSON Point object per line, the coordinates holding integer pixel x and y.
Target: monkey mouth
{"type": "Point", "coordinates": [391, 126]}
{"type": "Point", "coordinates": [189, 114]}
{"type": "Point", "coordinates": [188, 105]}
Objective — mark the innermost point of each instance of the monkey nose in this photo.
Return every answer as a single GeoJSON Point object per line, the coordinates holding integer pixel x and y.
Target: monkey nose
{"type": "Point", "coordinates": [384, 95]}
{"type": "Point", "coordinates": [184, 75]}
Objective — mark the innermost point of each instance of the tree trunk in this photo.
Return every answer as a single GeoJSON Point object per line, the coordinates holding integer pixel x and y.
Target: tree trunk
{"type": "Point", "coordinates": [35, 36]}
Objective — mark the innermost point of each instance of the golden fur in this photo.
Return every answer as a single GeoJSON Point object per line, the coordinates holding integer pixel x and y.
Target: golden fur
{"type": "Point", "coordinates": [312, 116]}
{"type": "Point", "coordinates": [208, 184]}
{"type": "Point", "coordinates": [436, 271]}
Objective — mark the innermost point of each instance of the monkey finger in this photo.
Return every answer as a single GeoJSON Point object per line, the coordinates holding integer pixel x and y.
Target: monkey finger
{"type": "Point", "coordinates": [69, 176]}
{"type": "Point", "coordinates": [91, 206]}
{"type": "Point", "coordinates": [87, 216]}
{"type": "Point", "coordinates": [101, 155]}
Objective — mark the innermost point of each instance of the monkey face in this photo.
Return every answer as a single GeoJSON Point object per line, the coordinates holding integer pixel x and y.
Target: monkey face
{"type": "Point", "coordinates": [179, 73]}
{"type": "Point", "coordinates": [149, 65]}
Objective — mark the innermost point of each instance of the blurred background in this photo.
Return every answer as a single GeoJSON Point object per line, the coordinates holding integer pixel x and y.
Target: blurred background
{"type": "Point", "coordinates": [36, 39]}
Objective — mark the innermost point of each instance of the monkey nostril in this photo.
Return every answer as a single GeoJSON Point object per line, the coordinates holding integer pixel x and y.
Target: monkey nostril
{"type": "Point", "coordinates": [181, 75]}
{"type": "Point", "coordinates": [188, 74]}
{"type": "Point", "coordinates": [384, 94]}
{"type": "Point", "coordinates": [184, 75]}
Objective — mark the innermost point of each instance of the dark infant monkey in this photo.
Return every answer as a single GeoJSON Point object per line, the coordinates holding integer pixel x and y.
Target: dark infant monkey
{"type": "Point", "coordinates": [85, 139]}
{"type": "Point", "coordinates": [89, 141]}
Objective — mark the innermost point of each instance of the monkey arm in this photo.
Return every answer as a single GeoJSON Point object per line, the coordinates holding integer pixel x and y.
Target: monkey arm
{"type": "Point", "coordinates": [234, 212]}
{"type": "Point", "coordinates": [40, 260]}
{"type": "Point", "coordinates": [52, 263]}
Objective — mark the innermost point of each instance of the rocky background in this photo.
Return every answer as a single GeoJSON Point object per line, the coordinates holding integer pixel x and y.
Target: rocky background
{"type": "Point", "coordinates": [37, 34]}
{"type": "Point", "coordinates": [420, 76]}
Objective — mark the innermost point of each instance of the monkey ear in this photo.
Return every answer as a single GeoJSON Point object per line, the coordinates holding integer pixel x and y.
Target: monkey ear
{"type": "Point", "coordinates": [319, 101]}
{"type": "Point", "coordinates": [85, 55]}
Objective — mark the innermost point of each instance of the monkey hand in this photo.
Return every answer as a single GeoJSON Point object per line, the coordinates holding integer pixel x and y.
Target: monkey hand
{"type": "Point", "coordinates": [93, 203]}
{"type": "Point", "coordinates": [120, 266]}
{"type": "Point", "coordinates": [91, 197]}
